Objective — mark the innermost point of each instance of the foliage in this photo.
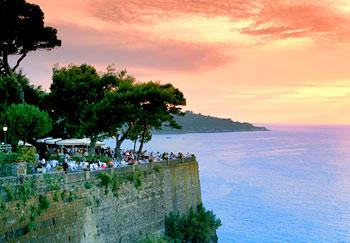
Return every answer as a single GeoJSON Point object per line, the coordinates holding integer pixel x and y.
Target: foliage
{"type": "Point", "coordinates": [77, 158]}
{"type": "Point", "coordinates": [22, 30]}
{"type": "Point", "coordinates": [27, 190]}
{"type": "Point", "coordinates": [197, 225]}
{"type": "Point", "coordinates": [10, 91]}
{"type": "Point", "coordinates": [137, 178]}
{"type": "Point", "coordinates": [94, 158]}
{"type": "Point", "coordinates": [106, 180]}
{"type": "Point", "coordinates": [157, 168]}
{"type": "Point", "coordinates": [44, 202]}
{"type": "Point", "coordinates": [72, 196]}
{"type": "Point", "coordinates": [53, 182]}
{"type": "Point", "coordinates": [26, 154]}
{"type": "Point", "coordinates": [88, 185]}
{"type": "Point", "coordinates": [135, 108]}
{"type": "Point", "coordinates": [10, 192]}
{"type": "Point", "coordinates": [154, 239]}
{"type": "Point", "coordinates": [8, 158]}
{"type": "Point", "coordinates": [114, 181]}
{"type": "Point", "coordinates": [16, 88]}
{"type": "Point", "coordinates": [54, 157]}
{"type": "Point", "coordinates": [26, 122]}
{"type": "Point", "coordinates": [75, 112]}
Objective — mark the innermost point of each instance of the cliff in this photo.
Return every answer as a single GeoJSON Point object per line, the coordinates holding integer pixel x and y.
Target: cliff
{"type": "Point", "coordinates": [83, 208]}
{"type": "Point", "coordinates": [198, 123]}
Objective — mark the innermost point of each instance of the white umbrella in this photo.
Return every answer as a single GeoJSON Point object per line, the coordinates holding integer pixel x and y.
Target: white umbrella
{"type": "Point", "coordinates": [52, 141]}
{"type": "Point", "coordinates": [74, 142]}
{"type": "Point", "coordinates": [42, 140]}
{"type": "Point", "coordinates": [77, 142]}
{"type": "Point", "coordinates": [21, 143]}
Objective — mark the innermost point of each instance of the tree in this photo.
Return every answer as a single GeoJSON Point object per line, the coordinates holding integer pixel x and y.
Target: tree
{"type": "Point", "coordinates": [159, 104]}
{"type": "Point", "coordinates": [135, 135]}
{"type": "Point", "coordinates": [22, 30]}
{"type": "Point", "coordinates": [10, 92]}
{"type": "Point", "coordinates": [13, 87]}
{"type": "Point", "coordinates": [76, 93]}
{"type": "Point", "coordinates": [196, 226]}
{"type": "Point", "coordinates": [26, 122]}
{"type": "Point", "coordinates": [119, 111]}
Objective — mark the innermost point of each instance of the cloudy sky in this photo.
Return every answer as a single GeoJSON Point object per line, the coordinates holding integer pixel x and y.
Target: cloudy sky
{"type": "Point", "coordinates": [264, 61]}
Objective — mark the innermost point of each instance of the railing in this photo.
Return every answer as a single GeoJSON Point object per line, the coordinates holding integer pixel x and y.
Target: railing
{"type": "Point", "coordinates": [7, 170]}
{"type": "Point", "coordinates": [5, 148]}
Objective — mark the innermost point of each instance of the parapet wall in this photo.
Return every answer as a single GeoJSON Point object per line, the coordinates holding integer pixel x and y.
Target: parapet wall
{"type": "Point", "coordinates": [93, 216]}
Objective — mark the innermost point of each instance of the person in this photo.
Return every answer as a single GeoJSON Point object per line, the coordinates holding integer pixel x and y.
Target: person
{"type": "Point", "coordinates": [65, 165]}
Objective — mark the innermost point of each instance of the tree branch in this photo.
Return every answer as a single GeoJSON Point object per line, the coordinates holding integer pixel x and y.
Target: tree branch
{"type": "Point", "coordinates": [19, 61]}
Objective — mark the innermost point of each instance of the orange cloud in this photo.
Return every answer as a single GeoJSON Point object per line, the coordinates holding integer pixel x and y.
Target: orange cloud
{"type": "Point", "coordinates": [246, 59]}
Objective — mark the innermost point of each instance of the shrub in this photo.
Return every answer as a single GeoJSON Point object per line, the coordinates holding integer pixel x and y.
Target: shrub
{"type": "Point", "coordinates": [53, 157]}
{"type": "Point", "coordinates": [103, 159]}
{"type": "Point", "coordinates": [77, 158]}
{"type": "Point", "coordinates": [26, 122]}
{"type": "Point", "coordinates": [44, 203]}
{"type": "Point", "coordinates": [137, 178]}
{"type": "Point", "coordinates": [157, 168]}
{"type": "Point", "coordinates": [106, 179]}
{"type": "Point", "coordinates": [88, 185]}
{"type": "Point", "coordinates": [198, 225]}
{"type": "Point", "coordinates": [26, 154]}
{"type": "Point", "coordinates": [154, 239]}
{"type": "Point", "coordinates": [8, 158]}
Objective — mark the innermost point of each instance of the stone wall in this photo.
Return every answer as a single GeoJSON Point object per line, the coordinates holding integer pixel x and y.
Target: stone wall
{"type": "Point", "coordinates": [95, 216]}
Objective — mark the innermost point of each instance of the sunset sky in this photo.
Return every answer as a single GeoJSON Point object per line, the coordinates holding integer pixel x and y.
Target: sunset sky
{"type": "Point", "coordinates": [262, 61]}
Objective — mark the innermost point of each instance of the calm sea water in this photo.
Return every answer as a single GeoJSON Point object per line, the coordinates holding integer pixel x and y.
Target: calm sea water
{"type": "Point", "coordinates": [291, 184]}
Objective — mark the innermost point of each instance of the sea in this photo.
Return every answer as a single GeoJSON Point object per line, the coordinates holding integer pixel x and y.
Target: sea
{"type": "Point", "coordinates": [290, 184]}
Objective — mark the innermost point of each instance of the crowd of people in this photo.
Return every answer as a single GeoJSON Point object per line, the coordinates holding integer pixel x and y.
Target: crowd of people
{"type": "Point", "coordinates": [70, 159]}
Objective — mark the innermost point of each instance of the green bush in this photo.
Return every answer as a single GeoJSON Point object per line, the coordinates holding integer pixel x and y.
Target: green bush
{"type": "Point", "coordinates": [88, 185]}
{"type": "Point", "coordinates": [44, 202]}
{"type": "Point", "coordinates": [137, 178]}
{"type": "Point", "coordinates": [26, 154]}
{"type": "Point", "coordinates": [77, 158]}
{"type": "Point", "coordinates": [103, 159]}
{"type": "Point", "coordinates": [53, 157]}
{"type": "Point", "coordinates": [92, 159]}
{"type": "Point", "coordinates": [198, 225]}
{"type": "Point", "coordinates": [8, 158]}
{"type": "Point", "coordinates": [154, 239]}
{"type": "Point", "coordinates": [106, 179]}
{"type": "Point", "coordinates": [157, 168]}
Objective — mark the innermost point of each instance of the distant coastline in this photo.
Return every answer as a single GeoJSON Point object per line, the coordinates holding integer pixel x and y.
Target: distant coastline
{"type": "Point", "coordinates": [198, 123]}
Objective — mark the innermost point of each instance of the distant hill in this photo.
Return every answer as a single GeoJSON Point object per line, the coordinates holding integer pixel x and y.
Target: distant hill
{"type": "Point", "coordinates": [198, 123]}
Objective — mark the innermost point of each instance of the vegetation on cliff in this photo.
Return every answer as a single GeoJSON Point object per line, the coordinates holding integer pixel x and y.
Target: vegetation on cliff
{"type": "Point", "coordinates": [198, 123]}
{"type": "Point", "coordinates": [196, 226]}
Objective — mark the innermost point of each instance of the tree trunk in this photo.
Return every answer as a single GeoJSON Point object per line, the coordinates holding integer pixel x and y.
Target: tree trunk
{"type": "Point", "coordinates": [8, 71]}
{"type": "Point", "coordinates": [5, 62]}
{"type": "Point", "coordinates": [142, 141]}
{"type": "Point", "coordinates": [92, 146]}
{"type": "Point", "coordinates": [119, 141]}
{"type": "Point", "coordinates": [135, 142]}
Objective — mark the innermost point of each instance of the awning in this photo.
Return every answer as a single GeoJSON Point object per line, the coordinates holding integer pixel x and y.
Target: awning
{"type": "Point", "coordinates": [77, 142]}
{"type": "Point", "coordinates": [52, 141]}
{"type": "Point", "coordinates": [42, 140]}
{"type": "Point", "coordinates": [21, 143]}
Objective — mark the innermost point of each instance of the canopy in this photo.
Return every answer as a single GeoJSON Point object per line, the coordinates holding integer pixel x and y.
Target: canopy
{"type": "Point", "coordinates": [77, 142]}
{"type": "Point", "coordinates": [52, 141]}
{"type": "Point", "coordinates": [21, 143]}
{"type": "Point", "coordinates": [42, 140]}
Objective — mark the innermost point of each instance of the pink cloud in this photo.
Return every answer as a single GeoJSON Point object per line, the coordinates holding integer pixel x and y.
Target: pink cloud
{"type": "Point", "coordinates": [271, 18]}
{"type": "Point", "coordinates": [300, 19]}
